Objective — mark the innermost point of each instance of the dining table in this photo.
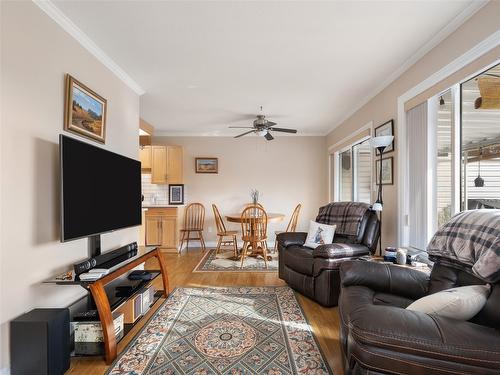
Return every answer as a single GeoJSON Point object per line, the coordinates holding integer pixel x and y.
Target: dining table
{"type": "Point", "coordinates": [272, 217]}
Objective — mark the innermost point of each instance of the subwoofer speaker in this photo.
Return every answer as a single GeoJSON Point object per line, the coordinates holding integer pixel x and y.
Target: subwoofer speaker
{"type": "Point", "coordinates": [40, 342]}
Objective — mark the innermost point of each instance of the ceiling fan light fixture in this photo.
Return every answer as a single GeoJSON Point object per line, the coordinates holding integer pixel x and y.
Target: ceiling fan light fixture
{"type": "Point", "coordinates": [261, 133]}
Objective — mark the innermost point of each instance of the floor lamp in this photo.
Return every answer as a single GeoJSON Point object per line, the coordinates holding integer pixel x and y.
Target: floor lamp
{"type": "Point", "coordinates": [380, 143]}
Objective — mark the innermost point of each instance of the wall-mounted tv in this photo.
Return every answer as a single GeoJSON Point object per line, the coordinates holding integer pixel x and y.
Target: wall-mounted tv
{"type": "Point", "coordinates": [100, 190]}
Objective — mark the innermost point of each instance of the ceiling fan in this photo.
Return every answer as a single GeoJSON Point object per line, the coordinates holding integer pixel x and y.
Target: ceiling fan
{"type": "Point", "coordinates": [263, 127]}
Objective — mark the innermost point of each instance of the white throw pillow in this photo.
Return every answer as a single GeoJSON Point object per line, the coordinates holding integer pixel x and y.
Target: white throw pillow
{"type": "Point", "coordinates": [461, 303]}
{"type": "Point", "coordinates": [319, 234]}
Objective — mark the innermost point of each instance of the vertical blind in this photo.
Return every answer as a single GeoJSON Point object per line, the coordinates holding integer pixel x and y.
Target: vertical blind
{"type": "Point", "coordinates": [416, 120]}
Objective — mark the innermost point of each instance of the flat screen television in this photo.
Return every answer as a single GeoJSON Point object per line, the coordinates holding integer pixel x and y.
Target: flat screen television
{"type": "Point", "coordinates": [100, 190]}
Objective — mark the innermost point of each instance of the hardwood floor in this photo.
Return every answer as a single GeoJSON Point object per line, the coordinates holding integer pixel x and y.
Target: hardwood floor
{"type": "Point", "coordinates": [324, 321]}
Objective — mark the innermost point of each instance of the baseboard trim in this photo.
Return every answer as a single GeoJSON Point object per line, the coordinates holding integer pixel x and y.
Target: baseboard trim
{"type": "Point", "coordinates": [213, 244]}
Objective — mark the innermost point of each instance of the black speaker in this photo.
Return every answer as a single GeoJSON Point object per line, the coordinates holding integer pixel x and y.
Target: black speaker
{"type": "Point", "coordinates": [40, 342]}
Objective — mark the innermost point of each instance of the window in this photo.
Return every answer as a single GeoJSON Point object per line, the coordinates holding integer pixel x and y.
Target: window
{"type": "Point", "coordinates": [354, 177]}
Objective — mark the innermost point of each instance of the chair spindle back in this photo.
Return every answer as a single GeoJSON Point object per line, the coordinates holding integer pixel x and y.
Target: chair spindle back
{"type": "Point", "coordinates": [194, 218]}
{"type": "Point", "coordinates": [254, 222]}
{"type": "Point", "coordinates": [292, 224]}
{"type": "Point", "coordinates": [221, 227]}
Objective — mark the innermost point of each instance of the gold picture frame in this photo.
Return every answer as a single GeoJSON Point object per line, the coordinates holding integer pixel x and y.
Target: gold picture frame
{"type": "Point", "coordinates": [206, 165]}
{"type": "Point", "coordinates": [84, 111]}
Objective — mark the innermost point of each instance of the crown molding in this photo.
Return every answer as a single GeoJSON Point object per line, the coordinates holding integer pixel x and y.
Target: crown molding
{"type": "Point", "coordinates": [62, 20]}
{"type": "Point", "coordinates": [446, 31]}
{"type": "Point", "coordinates": [159, 133]}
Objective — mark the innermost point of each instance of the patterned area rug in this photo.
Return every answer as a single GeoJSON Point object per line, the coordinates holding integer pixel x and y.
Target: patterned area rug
{"type": "Point", "coordinates": [223, 263]}
{"type": "Point", "coordinates": [225, 331]}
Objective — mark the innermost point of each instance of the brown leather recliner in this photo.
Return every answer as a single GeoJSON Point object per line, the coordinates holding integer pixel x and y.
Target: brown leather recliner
{"type": "Point", "coordinates": [379, 336]}
{"type": "Point", "coordinates": [315, 273]}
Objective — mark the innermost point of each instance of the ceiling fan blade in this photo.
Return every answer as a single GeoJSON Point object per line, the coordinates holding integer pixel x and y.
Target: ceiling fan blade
{"type": "Point", "coordinates": [240, 127]}
{"type": "Point", "coordinates": [270, 123]}
{"type": "Point", "coordinates": [241, 135]}
{"type": "Point", "coordinates": [268, 136]}
{"type": "Point", "coordinates": [284, 130]}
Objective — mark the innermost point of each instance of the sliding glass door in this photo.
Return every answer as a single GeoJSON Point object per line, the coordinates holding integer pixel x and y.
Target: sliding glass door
{"type": "Point", "coordinates": [480, 156]}
{"type": "Point", "coordinates": [355, 173]}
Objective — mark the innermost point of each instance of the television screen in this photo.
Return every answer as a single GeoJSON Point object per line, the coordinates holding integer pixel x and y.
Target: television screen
{"type": "Point", "coordinates": [101, 190]}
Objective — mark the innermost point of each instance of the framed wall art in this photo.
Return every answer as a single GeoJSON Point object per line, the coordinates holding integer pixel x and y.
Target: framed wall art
{"type": "Point", "coordinates": [207, 165]}
{"type": "Point", "coordinates": [85, 111]}
{"type": "Point", "coordinates": [176, 194]}
{"type": "Point", "coordinates": [387, 167]}
{"type": "Point", "coordinates": [385, 129]}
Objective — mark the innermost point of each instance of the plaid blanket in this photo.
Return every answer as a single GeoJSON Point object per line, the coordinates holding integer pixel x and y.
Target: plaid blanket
{"type": "Point", "coordinates": [346, 216]}
{"type": "Point", "coordinates": [470, 241]}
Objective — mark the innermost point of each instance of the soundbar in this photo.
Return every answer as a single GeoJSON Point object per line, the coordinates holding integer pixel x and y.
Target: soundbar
{"type": "Point", "coordinates": [107, 260]}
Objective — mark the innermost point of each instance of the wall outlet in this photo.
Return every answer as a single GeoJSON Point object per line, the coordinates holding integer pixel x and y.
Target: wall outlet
{"type": "Point", "coordinates": [210, 229]}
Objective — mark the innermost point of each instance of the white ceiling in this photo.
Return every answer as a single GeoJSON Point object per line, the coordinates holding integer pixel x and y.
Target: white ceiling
{"type": "Point", "coordinates": [205, 64]}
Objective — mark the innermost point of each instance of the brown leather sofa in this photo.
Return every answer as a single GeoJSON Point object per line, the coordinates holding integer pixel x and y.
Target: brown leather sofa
{"type": "Point", "coordinates": [315, 273]}
{"type": "Point", "coordinates": [379, 336]}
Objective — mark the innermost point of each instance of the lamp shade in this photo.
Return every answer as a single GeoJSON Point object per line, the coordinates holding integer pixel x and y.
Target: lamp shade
{"type": "Point", "coordinates": [381, 141]}
{"type": "Point", "coordinates": [377, 206]}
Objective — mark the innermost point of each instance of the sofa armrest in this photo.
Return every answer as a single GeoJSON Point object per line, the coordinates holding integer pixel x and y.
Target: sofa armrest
{"type": "Point", "coordinates": [385, 278]}
{"type": "Point", "coordinates": [418, 334]}
{"type": "Point", "coordinates": [286, 239]}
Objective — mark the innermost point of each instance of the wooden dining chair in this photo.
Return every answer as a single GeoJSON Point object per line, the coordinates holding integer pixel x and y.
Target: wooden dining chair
{"type": "Point", "coordinates": [254, 232]}
{"type": "Point", "coordinates": [253, 205]}
{"type": "Point", "coordinates": [292, 225]}
{"type": "Point", "coordinates": [223, 234]}
{"type": "Point", "coordinates": [194, 221]}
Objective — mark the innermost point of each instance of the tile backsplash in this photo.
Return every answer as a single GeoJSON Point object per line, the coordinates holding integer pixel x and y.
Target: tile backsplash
{"type": "Point", "coordinates": [153, 194]}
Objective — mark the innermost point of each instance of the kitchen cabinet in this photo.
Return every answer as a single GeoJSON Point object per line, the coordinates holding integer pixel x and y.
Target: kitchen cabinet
{"type": "Point", "coordinates": [162, 227]}
{"type": "Point", "coordinates": [174, 164]}
{"type": "Point", "coordinates": [145, 157]}
{"type": "Point", "coordinates": [159, 164]}
{"type": "Point", "coordinates": [166, 164]}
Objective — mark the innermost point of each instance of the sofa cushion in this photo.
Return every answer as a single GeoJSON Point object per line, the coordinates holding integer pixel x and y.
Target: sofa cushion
{"type": "Point", "coordinates": [461, 303]}
{"type": "Point", "coordinates": [340, 250]}
{"type": "Point", "coordinates": [319, 234]}
{"type": "Point", "coordinates": [299, 258]}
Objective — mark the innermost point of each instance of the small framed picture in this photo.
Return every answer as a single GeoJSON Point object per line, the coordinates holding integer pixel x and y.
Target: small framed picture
{"type": "Point", "coordinates": [207, 165]}
{"type": "Point", "coordinates": [84, 111]}
{"type": "Point", "coordinates": [176, 194]}
{"type": "Point", "coordinates": [385, 129]}
{"type": "Point", "coordinates": [387, 164]}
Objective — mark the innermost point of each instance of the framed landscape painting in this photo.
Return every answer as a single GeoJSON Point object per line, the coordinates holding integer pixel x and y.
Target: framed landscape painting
{"type": "Point", "coordinates": [385, 129]}
{"type": "Point", "coordinates": [207, 165]}
{"type": "Point", "coordinates": [85, 111]}
{"type": "Point", "coordinates": [387, 164]}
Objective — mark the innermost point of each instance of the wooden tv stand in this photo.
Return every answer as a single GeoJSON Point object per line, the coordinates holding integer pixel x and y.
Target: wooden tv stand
{"type": "Point", "coordinates": [101, 299]}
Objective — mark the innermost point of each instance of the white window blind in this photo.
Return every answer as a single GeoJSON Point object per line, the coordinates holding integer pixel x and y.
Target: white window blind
{"type": "Point", "coordinates": [416, 120]}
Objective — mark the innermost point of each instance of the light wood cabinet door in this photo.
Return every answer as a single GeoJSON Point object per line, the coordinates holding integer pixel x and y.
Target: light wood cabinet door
{"type": "Point", "coordinates": [145, 157]}
{"type": "Point", "coordinates": [159, 164]}
{"type": "Point", "coordinates": [153, 231]}
{"type": "Point", "coordinates": [168, 232]}
{"type": "Point", "coordinates": [174, 164]}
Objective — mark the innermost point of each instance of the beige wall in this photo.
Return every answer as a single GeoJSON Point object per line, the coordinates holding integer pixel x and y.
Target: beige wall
{"type": "Point", "coordinates": [287, 171]}
{"type": "Point", "coordinates": [36, 53]}
{"type": "Point", "coordinates": [384, 106]}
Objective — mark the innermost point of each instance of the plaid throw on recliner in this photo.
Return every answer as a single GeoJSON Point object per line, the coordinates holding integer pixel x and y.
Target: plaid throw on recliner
{"type": "Point", "coordinates": [470, 241]}
{"type": "Point", "coordinates": [346, 216]}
